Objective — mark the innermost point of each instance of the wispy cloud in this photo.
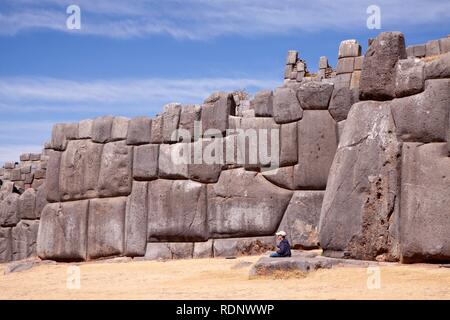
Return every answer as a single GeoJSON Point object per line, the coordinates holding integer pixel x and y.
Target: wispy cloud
{"type": "Point", "coordinates": [200, 19]}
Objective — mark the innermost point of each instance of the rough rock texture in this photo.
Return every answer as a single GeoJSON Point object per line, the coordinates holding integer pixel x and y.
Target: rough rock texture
{"type": "Point", "coordinates": [317, 143]}
{"type": "Point", "coordinates": [360, 207]}
{"type": "Point", "coordinates": [177, 211]}
{"type": "Point", "coordinates": [315, 95]}
{"type": "Point", "coordinates": [263, 104]}
{"type": "Point", "coordinates": [203, 249]}
{"type": "Point", "coordinates": [288, 144]}
{"type": "Point", "coordinates": [188, 116]}
{"type": "Point", "coordinates": [424, 117]}
{"type": "Point", "coordinates": [145, 162]}
{"type": "Point", "coordinates": [286, 107]}
{"type": "Point", "coordinates": [215, 112]}
{"type": "Point", "coordinates": [136, 220]}
{"type": "Point", "coordinates": [101, 129]}
{"type": "Point", "coordinates": [62, 232]}
{"type": "Point", "coordinates": [438, 67]}
{"type": "Point", "coordinates": [173, 161]}
{"type": "Point", "coordinates": [9, 215]}
{"type": "Point", "coordinates": [24, 237]}
{"type": "Point", "coordinates": [243, 246]}
{"type": "Point", "coordinates": [301, 219]}
{"type": "Point", "coordinates": [5, 245]}
{"type": "Point", "coordinates": [243, 203]}
{"type": "Point", "coordinates": [425, 222]}
{"type": "Point", "coordinates": [341, 102]}
{"type": "Point", "coordinates": [378, 72]}
{"type": "Point", "coordinates": [409, 77]}
{"type": "Point", "coordinates": [139, 131]}
{"type": "Point", "coordinates": [27, 204]}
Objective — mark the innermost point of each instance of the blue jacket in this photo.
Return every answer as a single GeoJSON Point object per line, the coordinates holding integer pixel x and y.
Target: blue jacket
{"type": "Point", "coordinates": [284, 248]}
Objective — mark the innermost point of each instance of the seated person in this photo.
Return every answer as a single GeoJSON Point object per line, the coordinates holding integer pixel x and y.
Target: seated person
{"type": "Point", "coordinates": [284, 248]}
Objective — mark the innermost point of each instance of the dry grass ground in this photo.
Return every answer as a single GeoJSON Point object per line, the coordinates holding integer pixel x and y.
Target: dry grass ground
{"type": "Point", "coordinates": [220, 279]}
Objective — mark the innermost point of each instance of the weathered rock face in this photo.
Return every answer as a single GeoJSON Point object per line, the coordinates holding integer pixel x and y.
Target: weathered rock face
{"type": "Point", "coordinates": [215, 112]}
{"type": "Point", "coordinates": [5, 245]}
{"type": "Point", "coordinates": [425, 222]}
{"type": "Point", "coordinates": [378, 71]}
{"type": "Point", "coordinates": [360, 207]}
{"type": "Point", "coordinates": [263, 104]}
{"type": "Point", "coordinates": [341, 102]}
{"type": "Point", "coordinates": [409, 77]}
{"type": "Point", "coordinates": [243, 246]}
{"type": "Point", "coordinates": [315, 95]}
{"type": "Point", "coordinates": [243, 203]}
{"type": "Point", "coordinates": [286, 107]}
{"type": "Point", "coordinates": [301, 219]}
{"type": "Point", "coordinates": [177, 211]}
{"type": "Point", "coordinates": [136, 220]}
{"type": "Point", "coordinates": [24, 237]}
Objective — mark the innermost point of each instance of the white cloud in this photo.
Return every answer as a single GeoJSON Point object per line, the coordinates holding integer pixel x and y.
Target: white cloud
{"type": "Point", "coordinates": [200, 19]}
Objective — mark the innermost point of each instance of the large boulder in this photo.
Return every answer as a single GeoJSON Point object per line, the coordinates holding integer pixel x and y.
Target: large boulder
{"type": "Point", "coordinates": [360, 207]}
{"type": "Point", "coordinates": [62, 232]}
{"type": "Point", "coordinates": [41, 200]}
{"type": "Point", "coordinates": [282, 177]}
{"type": "Point", "coordinates": [243, 204]}
{"type": "Point", "coordinates": [173, 161]}
{"type": "Point", "coordinates": [115, 178]}
{"type": "Point", "coordinates": [317, 143]}
{"type": "Point", "coordinates": [301, 219]}
{"type": "Point", "coordinates": [378, 71]}
{"type": "Point", "coordinates": [288, 144]}
{"type": "Point", "coordinates": [136, 220]}
{"type": "Point", "coordinates": [439, 67]}
{"type": "Point", "coordinates": [409, 77]}
{"type": "Point", "coordinates": [5, 245]}
{"type": "Point", "coordinates": [24, 237]}
{"type": "Point", "coordinates": [286, 107]}
{"type": "Point", "coordinates": [106, 227]}
{"type": "Point", "coordinates": [102, 128]}
{"type": "Point", "coordinates": [215, 112]}
{"type": "Point", "coordinates": [425, 219]}
{"type": "Point", "coordinates": [263, 104]}
{"type": "Point", "coordinates": [207, 160]}
{"type": "Point", "coordinates": [341, 102]}
{"type": "Point", "coordinates": [315, 95]}
{"type": "Point", "coordinates": [52, 176]}
{"type": "Point", "coordinates": [145, 162]}
{"type": "Point", "coordinates": [171, 119]}
{"type": "Point", "coordinates": [424, 117]}
{"type": "Point", "coordinates": [27, 204]}
{"type": "Point", "coordinates": [177, 211]}
{"type": "Point", "coordinates": [61, 133]}
{"type": "Point", "coordinates": [139, 131]}
{"type": "Point", "coordinates": [79, 170]}
{"type": "Point", "coordinates": [189, 116]}
{"type": "Point", "coordinates": [119, 129]}
{"type": "Point", "coordinates": [9, 215]}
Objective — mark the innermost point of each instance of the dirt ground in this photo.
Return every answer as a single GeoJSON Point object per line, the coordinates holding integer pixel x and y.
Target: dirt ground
{"type": "Point", "coordinates": [220, 279]}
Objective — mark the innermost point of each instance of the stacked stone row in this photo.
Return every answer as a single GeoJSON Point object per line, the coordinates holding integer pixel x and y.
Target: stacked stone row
{"type": "Point", "coordinates": [296, 68]}
{"type": "Point", "coordinates": [429, 49]}
{"type": "Point", "coordinates": [22, 199]}
{"type": "Point", "coordinates": [350, 61]}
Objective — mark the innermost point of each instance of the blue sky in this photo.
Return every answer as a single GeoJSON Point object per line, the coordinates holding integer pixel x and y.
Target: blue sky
{"type": "Point", "coordinates": [132, 57]}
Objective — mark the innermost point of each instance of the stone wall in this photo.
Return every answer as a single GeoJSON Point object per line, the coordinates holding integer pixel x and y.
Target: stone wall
{"type": "Point", "coordinates": [356, 163]}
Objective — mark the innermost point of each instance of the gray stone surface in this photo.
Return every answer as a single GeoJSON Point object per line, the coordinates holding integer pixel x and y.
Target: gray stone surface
{"type": "Point", "coordinates": [301, 219]}
{"type": "Point", "coordinates": [101, 129]}
{"type": "Point", "coordinates": [157, 135]}
{"type": "Point", "coordinates": [181, 250]}
{"type": "Point", "coordinates": [136, 220]}
{"type": "Point", "coordinates": [342, 81]}
{"type": "Point", "coordinates": [215, 112]}
{"type": "Point", "coordinates": [157, 250]}
{"type": "Point", "coordinates": [177, 211]}
{"type": "Point", "coordinates": [315, 95]}
{"type": "Point", "coordinates": [286, 107]}
{"type": "Point", "coordinates": [173, 161]}
{"type": "Point", "coordinates": [62, 232]}
{"type": "Point", "coordinates": [345, 65]}
{"type": "Point", "coordinates": [9, 215]}
{"type": "Point", "coordinates": [145, 162]}
{"type": "Point", "coordinates": [139, 131]}
{"type": "Point", "coordinates": [235, 247]}
{"type": "Point", "coordinates": [360, 207]}
{"type": "Point", "coordinates": [188, 116]}
{"type": "Point", "coordinates": [317, 143]}
{"type": "Point", "coordinates": [52, 178]}
{"type": "Point", "coordinates": [425, 222]}
{"type": "Point", "coordinates": [207, 159]}
{"type": "Point", "coordinates": [79, 170]}
{"type": "Point", "coordinates": [349, 48]}
{"type": "Point", "coordinates": [243, 203]}
{"type": "Point", "coordinates": [106, 227]}
{"type": "Point", "coordinates": [203, 249]}
{"type": "Point", "coordinates": [424, 117]}
{"type": "Point", "coordinates": [24, 237]}
{"type": "Point", "coordinates": [409, 78]}
{"type": "Point", "coordinates": [171, 119]}
{"type": "Point", "coordinates": [282, 177]}
{"type": "Point", "coordinates": [27, 204]}
{"type": "Point", "coordinates": [119, 128]}
{"type": "Point", "coordinates": [433, 48]}
{"type": "Point", "coordinates": [41, 199]}
{"type": "Point", "coordinates": [438, 67]}
{"type": "Point", "coordinates": [378, 72]}
{"type": "Point", "coordinates": [288, 144]}
{"type": "Point", "coordinates": [5, 245]}
{"type": "Point", "coordinates": [263, 103]}
{"type": "Point", "coordinates": [85, 129]}
{"type": "Point", "coordinates": [341, 102]}
{"type": "Point", "coordinates": [61, 133]}
{"type": "Point", "coordinates": [115, 178]}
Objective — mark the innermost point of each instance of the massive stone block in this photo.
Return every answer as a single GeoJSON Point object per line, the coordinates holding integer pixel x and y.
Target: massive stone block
{"type": "Point", "coordinates": [177, 211]}
{"type": "Point", "coordinates": [119, 128]}
{"type": "Point", "coordinates": [317, 143]}
{"type": "Point", "coordinates": [139, 131]}
{"type": "Point", "coordinates": [106, 227]}
{"type": "Point", "coordinates": [215, 112]}
{"type": "Point", "coordinates": [345, 65]}
{"type": "Point", "coordinates": [282, 177]}
{"type": "Point", "coordinates": [425, 219]}
{"type": "Point", "coordinates": [145, 162]}
{"type": "Point", "coordinates": [424, 117]}
{"type": "Point", "coordinates": [9, 215]}
{"type": "Point", "coordinates": [243, 246]}
{"type": "Point", "coordinates": [157, 135]}
{"type": "Point", "coordinates": [188, 117]}
{"type": "Point", "coordinates": [85, 129]}
{"type": "Point", "coordinates": [5, 245]}
{"type": "Point", "coordinates": [288, 144]}
{"type": "Point", "coordinates": [115, 178]}
{"type": "Point", "coordinates": [286, 107]}
{"type": "Point", "coordinates": [315, 95]}
{"type": "Point", "coordinates": [341, 102]}
{"type": "Point", "coordinates": [24, 237]}
{"type": "Point", "coordinates": [349, 48]}
{"type": "Point", "coordinates": [173, 161]}
{"type": "Point", "coordinates": [433, 48]}
{"type": "Point", "coordinates": [243, 203]}
{"type": "Point", "coordinates": [79, 170]}
{"type": "Point", "coordinates": [136, 220]}
{"type": "Point", "coordinates": [378, 72]}
{"type": "Point", "coordinates": [101, 129]}
{"type": "Point", "coordinates": [62, 232]}
{"type": "Point", "coordinates": [41, 200]}
{"type": "Point", "coordinates": [263, 104]}
{"type": "Point", "coordinates": [171, 119]}
{"type": "Point", "coordinates": [438, 67]}
{"type": "Point", "coordinates": [61, 133]}
{"type": "Point", "coordinates": [301, 219]}
{"type": "Point", "coordinates": [203, 249]}
{"type": "Point", "coordinates": [27, 204]}
{"type": "Point", "coordinates": [52, 176]}
{"type": "Point", "coordinates": [409, 77]}
{"type": "Point", "coordinates": [360, 207]}
{"type": "Point", "coordinates": [207, 160]}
